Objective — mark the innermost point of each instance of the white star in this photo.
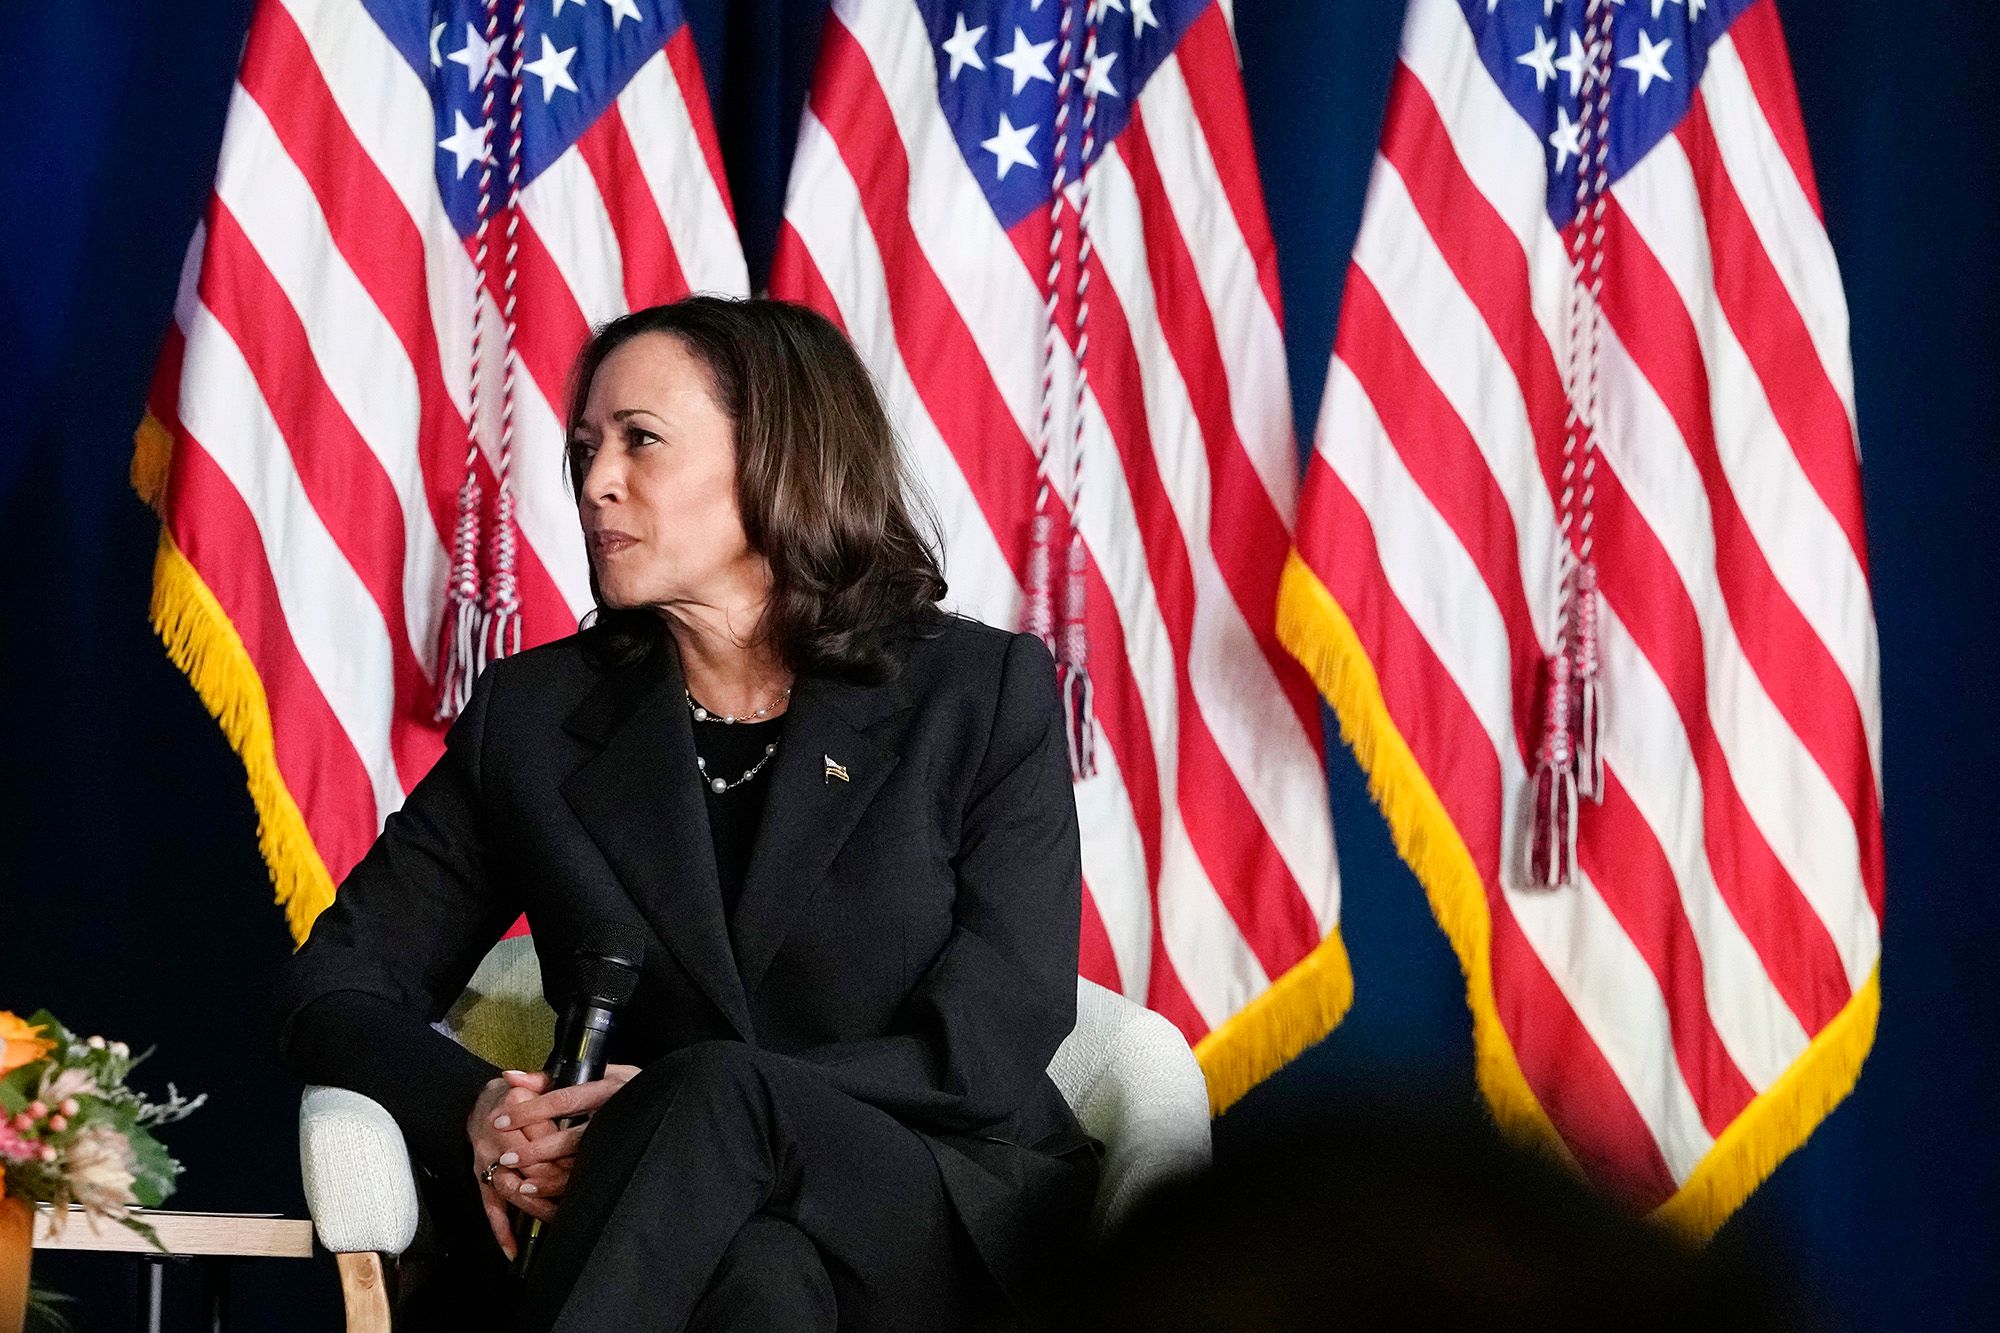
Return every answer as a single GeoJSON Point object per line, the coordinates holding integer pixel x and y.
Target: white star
{"type": "Point", "coordinates": [1100, 76]}
{"type": "Point", "coordinates": [468, 144]}
{"type": "Point", "coordinates": [1028, 60]}
{"type": "Point", "coordinates": [1010, 146]}
{"type": "Point", "coordinates": [1658, 5]}
{"type": "Point", "coordinates": [1540, 59]}
{"type": "Point", "coordinates": [963, 47]}
{"type": "Point", "coordinates": [1097, 8]}
{"type": "Point", "coordinates": [1648, 62]}
{"type": "Point", "coordinates": [552, 69]}
{"type": "Point", "coordinates": [437, 31]}
{"type": "Point", "coordinates": [622, 10]}
{"type": "Point", "coordinates": [557, 11]}
{"type": "Point", "coordinates": [1694, 9]}
{"type": "Point", "coordinates": [1574, 63]}
{"type": "Point", "coordinates": [1564, 140]}
{"type": "Point", "coordinates": [1142, 17]}
{"type": "Point", "coordinates": [479, 56]}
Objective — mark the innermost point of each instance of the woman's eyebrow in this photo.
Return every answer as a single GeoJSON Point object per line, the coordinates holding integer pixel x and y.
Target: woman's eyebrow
{"type": "Point", "coordinates": [625, 413]}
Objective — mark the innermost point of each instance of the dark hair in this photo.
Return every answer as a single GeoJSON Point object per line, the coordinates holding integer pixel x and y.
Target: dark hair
{"type": "Point", "coordinates": [823, 489]}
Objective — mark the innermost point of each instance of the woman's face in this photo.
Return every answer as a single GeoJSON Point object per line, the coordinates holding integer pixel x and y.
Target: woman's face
{"type": "Point", "coordinates": [658, 497]}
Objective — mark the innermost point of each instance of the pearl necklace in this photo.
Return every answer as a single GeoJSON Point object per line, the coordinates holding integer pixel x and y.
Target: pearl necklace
{"type": "Point", "coordinates": [720, 785]}
{"type": "Point", "coordinates": [703, 715]}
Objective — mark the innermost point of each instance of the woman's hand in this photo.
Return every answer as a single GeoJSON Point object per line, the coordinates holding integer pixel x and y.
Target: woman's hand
{"type": "Point", "coordinates": [513, 1124]}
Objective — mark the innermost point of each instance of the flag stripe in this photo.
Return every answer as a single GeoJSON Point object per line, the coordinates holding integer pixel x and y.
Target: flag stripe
{"type": "Point", "coordinates": [1206, 60]}
{"type": "Point", "coordinates": [652, 273]}
{"type": "Point", "coordinates": [348, 492]}
{"type": "Point", "coordinates": [1759, 41]}
{"type": "Point", "coordinates": [320, 765]}
{"type": "Point", "coordinates": [1790, 662]}
{"type": "Point", "coordinates": [345, 646]}
{"type": "Point", "coordinates": [1251, 535]}
{"type": "Point", "coordinates": [1185, 193]}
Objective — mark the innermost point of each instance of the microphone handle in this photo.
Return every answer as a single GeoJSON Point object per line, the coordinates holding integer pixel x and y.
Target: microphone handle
{"type": "Point", "coordinates": [577, 1057]}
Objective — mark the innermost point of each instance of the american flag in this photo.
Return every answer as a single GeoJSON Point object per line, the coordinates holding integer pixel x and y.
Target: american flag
{"type": "Point", "coordinates": [388, 168]}
{"type": "Point", "coordinates": [936, 139]}
{"type": "Point", "coordinates": [1678, 1012]}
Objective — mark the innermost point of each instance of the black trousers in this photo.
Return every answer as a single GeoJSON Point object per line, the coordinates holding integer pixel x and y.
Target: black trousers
{"type": "Point", "coordinates": [724, 1188]}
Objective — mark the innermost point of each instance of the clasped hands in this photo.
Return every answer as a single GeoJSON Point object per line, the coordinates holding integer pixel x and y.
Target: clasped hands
{"type": "Point", "coordinates": [514, 1132]}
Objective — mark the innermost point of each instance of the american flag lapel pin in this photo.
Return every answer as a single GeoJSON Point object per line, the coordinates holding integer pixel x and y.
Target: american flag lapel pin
{"type": "Point", "coordinates": [835, 770]}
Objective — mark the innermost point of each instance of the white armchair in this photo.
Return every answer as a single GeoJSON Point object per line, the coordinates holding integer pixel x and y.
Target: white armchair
{"type": "Point", "coordinates": [1126, 1071]}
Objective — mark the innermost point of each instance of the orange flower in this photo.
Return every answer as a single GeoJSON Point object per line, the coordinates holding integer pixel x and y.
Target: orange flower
{"type": "Point", "coordinates": [19, 1043]}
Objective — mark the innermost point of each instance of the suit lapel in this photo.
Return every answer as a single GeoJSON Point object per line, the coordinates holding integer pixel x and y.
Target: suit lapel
{"type": "Point", "coordinates": [812, 807]}
{"type": "Point", "coordinates": [639, 799]}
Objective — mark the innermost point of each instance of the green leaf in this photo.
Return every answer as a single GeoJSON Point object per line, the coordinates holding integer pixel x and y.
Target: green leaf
{"type": "Point", "coordinates": [152, 1236]}
{"type": "Point", "coordinates": [153, 1171]}
{"type": "Point", "coordinates": [14, 1089]}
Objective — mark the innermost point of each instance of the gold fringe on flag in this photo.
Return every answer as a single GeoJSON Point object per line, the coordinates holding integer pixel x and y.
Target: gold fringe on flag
{"type": "Point", "coordinates": [1316, 631]}
{"type": "Point", "coordinates": [1292, 1013]}
{"type": "Point", "coordinates": [202, 642]}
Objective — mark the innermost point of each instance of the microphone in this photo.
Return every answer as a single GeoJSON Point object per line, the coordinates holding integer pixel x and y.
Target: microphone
{"type": "Point", "coordinates": [605, 974]}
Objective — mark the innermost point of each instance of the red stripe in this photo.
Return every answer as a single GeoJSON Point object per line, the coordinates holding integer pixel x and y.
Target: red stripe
{"type": "Point", "coordinates": [958, 390]}
{"type": "Point", "coordinates": [794, 276]}
{"type": "Point", "coordinates": [1094, 958]}
{"type": "Point", "coordinates": [686, 62]}
{"type": "Point", "coordinates": [1767, 323]}
{"type": "Point", "coordinates": [1790, 660]}
{"type": "Point", "coordinates": [1637, 578]}
{"type": "Point", "coordinates": [1207, 58]}
{"type": "Point", "coordinates": [1618, 849]}
{"type": "Point", "coordinates": [1631, 873]}
{"type": "Point", "coordinates": [375, 235]}
{"type": "Point", "coordinates": [340, 475]}
{"type": "Point", "coordinates": [1583, 1097]}
{"type": "Point", "coordinates": [320, 767]}
{"type": "Point", "coordinates": [1760, 42]}
{"type": "Point", "coordinates": [1167, 995]}
{"type": "Point", "coordinates": [652, 271]}
{"type": "Point", "coordinates": [1247, 535]}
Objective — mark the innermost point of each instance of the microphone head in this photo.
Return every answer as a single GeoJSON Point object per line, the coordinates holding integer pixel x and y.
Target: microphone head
{"type": "Point", "coordinates": [607, 964]}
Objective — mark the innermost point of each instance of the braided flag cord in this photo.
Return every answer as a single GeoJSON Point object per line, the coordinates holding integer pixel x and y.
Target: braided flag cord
{"type": "Point", "coordinates": [1580, 566]}
{"type": "Point", "coordinates": [421, 208]}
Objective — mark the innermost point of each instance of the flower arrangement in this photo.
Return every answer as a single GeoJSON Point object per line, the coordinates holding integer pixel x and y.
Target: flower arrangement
{"type": "Point", "coordinates": [72, 1132]}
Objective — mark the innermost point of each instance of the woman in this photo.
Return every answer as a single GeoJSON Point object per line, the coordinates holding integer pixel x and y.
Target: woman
{"type": "Point", "coordinates": [844, 819]}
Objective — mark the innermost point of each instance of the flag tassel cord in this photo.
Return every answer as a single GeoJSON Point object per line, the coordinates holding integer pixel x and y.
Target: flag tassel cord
{"type": "Point", "coordinates": [1313, 627]}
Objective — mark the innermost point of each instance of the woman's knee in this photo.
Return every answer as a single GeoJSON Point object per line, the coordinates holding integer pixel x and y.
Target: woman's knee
{"type": "Point", "coordinates": [771, 1277]}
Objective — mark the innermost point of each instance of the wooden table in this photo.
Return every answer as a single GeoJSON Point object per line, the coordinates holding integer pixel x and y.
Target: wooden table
{"type": "Point", "coordinates": [209, 1239]}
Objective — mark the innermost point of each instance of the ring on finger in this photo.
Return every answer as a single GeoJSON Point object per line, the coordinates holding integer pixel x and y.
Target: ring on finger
{"type": "Point", "coordinates": [486, 1176]}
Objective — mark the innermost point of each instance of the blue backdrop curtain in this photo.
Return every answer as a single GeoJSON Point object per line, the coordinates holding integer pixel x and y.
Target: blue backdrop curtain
{"type": "Point", "coordinates": [133, 903]}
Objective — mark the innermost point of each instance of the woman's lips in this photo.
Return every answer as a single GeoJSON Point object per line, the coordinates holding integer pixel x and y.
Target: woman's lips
{"type": "Point", "coordinates": [610, 543]}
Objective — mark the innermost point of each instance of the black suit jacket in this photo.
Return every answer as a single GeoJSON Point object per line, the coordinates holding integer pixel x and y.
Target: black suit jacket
{"type": "Point", "coordinates": [910, 932]}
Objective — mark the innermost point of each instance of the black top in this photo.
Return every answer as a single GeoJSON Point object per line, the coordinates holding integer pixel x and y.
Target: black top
{"type": "Point", "coordinates": [729, 750]}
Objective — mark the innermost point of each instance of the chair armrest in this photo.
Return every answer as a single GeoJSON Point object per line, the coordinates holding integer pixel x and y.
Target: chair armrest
{"type": "Point", "coordinates": [1131, 1079]}
{"type": "Point", "coordinates": [359, 1187]}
